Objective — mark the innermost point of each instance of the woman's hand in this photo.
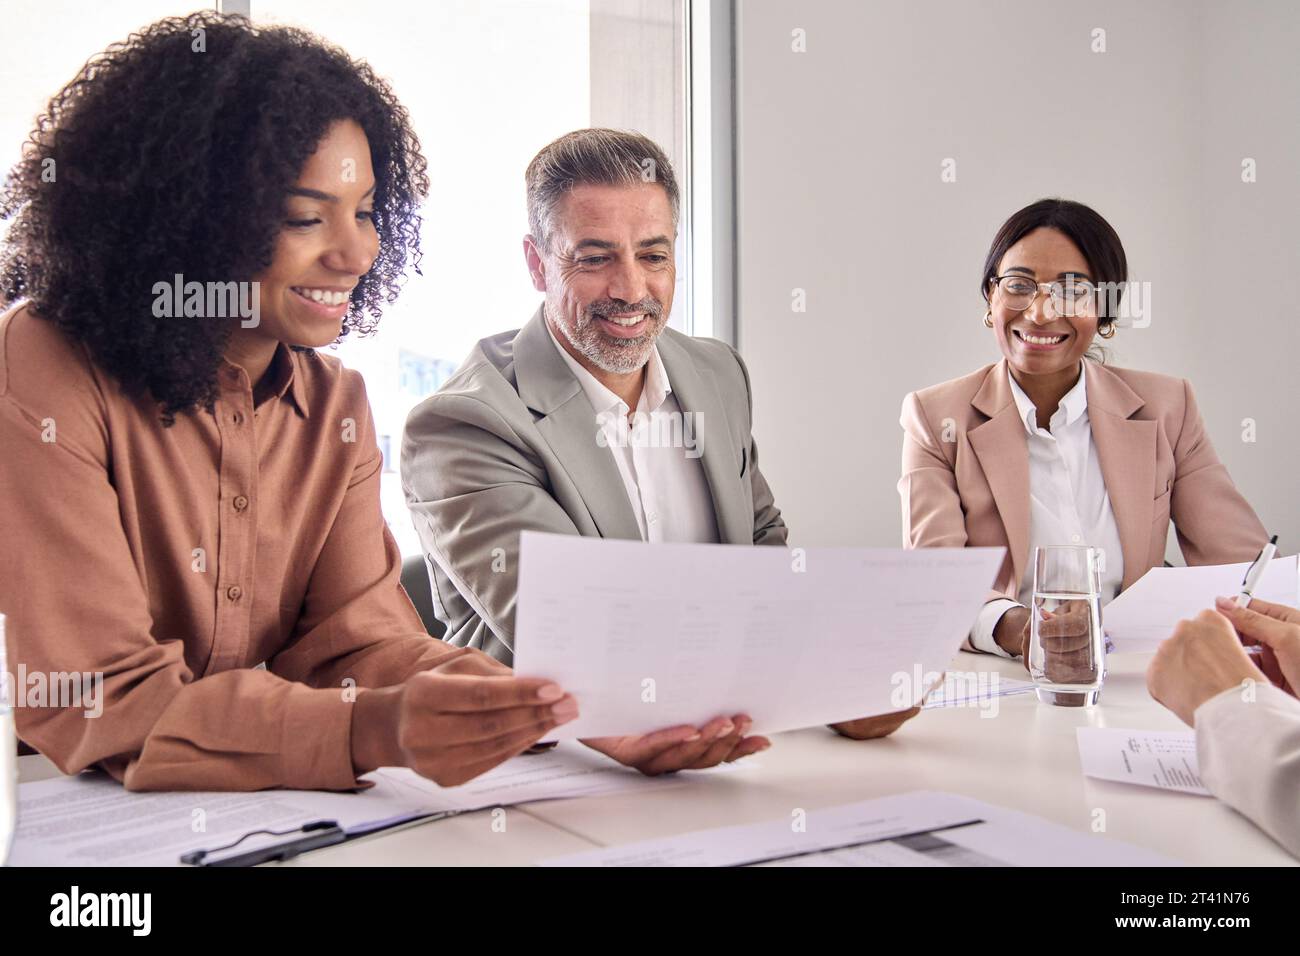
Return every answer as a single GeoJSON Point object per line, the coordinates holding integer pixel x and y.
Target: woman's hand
{"type": "Point", "coordinates": [1066, 639]}
{"type": "Point", "coordinates": [1012, 633]}
{"type": "Point", "coordinates": [452, 726]}
{"type": "Point", "coordinates": [1275, 628]}
{"type": "Point", "coordinates": [1201, 659]}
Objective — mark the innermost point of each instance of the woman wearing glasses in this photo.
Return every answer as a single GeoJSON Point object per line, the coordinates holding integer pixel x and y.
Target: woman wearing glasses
{"type": "Point", "coordinates": [1051, 447]}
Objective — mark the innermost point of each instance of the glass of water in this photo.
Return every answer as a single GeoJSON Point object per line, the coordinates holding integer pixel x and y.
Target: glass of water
{"type": "Point", "coordinates": [1067, 659]}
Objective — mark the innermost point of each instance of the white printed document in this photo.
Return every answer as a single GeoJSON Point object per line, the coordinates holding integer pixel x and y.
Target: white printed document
{"type": "Point", "coordinates": [922, 828]}
{"type": "Point", "coordinates": [1144, 615]}
{"type": "Point", "coordinates": [1165, 759]}
{"type": "Point", "coordinates": [647, 636]}
{"type": "Point", "coordinates": [91, 820]}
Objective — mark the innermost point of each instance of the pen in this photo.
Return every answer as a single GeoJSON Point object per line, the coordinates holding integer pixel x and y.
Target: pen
{"type": "Point", "coordinates": [1256, 571]}
{"type": "Point", "coordinates": [1253, 574]}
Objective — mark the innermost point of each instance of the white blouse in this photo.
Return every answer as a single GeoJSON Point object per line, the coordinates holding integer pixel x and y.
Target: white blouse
{"type": "Point", "coordinates": [1068, 501]}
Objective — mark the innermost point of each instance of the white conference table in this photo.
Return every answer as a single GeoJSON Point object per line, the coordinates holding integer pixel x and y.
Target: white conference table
{"type": "Point", "coordinates": [1024, 757]}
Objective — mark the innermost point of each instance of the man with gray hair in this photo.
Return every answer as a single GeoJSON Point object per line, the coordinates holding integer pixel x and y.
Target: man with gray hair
{"type": "Point", "coordinates": [593, 419]}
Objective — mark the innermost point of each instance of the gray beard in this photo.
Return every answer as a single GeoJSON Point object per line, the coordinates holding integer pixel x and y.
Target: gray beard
{"type": "Point", "coordinates": [617, 356]}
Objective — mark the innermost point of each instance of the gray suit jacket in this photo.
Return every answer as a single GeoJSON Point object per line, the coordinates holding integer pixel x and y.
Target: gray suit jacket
{"type": "Point", "coordinates": [509, 444]}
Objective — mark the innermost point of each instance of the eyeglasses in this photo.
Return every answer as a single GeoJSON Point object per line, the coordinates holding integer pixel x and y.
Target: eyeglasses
{"type": "Point", "coordinates": [1073, 297]}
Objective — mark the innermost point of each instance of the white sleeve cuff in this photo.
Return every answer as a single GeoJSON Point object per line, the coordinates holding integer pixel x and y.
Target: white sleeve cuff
{"type": "Point", "coordinates": [981, 635]}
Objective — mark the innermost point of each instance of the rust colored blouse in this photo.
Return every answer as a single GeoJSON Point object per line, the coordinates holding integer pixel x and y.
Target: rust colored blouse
{"type": "Point", "coordinates": [174, 561]}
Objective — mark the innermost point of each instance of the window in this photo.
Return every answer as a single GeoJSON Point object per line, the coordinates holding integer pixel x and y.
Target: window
{"type": "Point", "coordinates": [49, 40]}
{"type": "Point", "coordinates": [487, 84]}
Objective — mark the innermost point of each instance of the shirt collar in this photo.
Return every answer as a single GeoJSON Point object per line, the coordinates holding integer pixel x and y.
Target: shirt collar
{"type": "Point", "coordinates": [1074, 403]}
{"type": "Point", "coordinates": [286, 376]}
{"type": "Point", "coordinates": [295, 379]}
{"type": "Point", "coordinates": [655, 390]}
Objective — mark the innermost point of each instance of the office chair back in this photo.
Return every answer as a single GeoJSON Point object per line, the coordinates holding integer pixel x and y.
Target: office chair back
{"type": "Point", "coordinates": [415, 580]}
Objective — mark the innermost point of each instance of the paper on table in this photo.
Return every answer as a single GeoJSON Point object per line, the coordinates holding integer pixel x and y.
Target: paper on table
{"type": "Point", "coordinates": [923, 828]}
{"type": "Point", "coordinates": [1145, 614]}
{"type": "Point", "coordinates": [91, 820]}
{"type": "Point", "coordinates": [960, 690]}
{"type": "Point", "coordinates": [1165, 759]}
{"type": "Point", "coordinates": [647, 636]}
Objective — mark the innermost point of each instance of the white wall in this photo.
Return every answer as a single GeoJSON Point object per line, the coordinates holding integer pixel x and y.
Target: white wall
{"type": "Point", "coordinates": [839, 193]}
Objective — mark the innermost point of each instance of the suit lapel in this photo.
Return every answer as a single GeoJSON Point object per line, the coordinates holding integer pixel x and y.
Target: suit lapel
{"type": "Point", "coordinates": [568, 423]}
{"type": "Point", "coordinates": [1003, 453]}
{"type": "Point", "coordinates": [719, 455]}
{"type": "Point", "coordinates": [1126, 450]}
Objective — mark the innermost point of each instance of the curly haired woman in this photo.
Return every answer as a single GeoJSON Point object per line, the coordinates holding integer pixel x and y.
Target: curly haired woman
{"type": "Point", "coordinates": [191, 493]}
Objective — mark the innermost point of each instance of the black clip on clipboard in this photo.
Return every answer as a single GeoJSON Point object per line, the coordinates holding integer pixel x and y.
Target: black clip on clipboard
{"type": "Point", "coordinates": [317, 834]}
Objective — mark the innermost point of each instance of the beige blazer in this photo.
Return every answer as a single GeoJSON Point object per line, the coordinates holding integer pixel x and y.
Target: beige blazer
{"type": "Point", "coordinates": [966, 472]}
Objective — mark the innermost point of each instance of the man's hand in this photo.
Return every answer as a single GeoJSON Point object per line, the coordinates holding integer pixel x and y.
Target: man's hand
{"type": "Point", "coordinates": [684, 748]}
{"type": "Point", "coordinates": [1274, 627]}
{"type": "Point", "coordinates": [882, 725]}
{"type": "Point", "coordinates": [456, 721]}
{"type": "Point", "coordinates": [1200, 660]}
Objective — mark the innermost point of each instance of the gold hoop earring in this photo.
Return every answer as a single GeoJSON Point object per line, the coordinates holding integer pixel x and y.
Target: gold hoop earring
{"type": "Point", "coordinates": [1108, 332]}
{"type": "Point", "coordinates": [988, 318]}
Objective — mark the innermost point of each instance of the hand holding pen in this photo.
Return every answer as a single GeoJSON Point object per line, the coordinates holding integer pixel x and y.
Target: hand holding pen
{"type": "Point", "coordinates": [1251, 581]}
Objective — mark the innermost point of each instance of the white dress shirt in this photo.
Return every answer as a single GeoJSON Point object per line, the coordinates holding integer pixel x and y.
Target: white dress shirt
{"type": "Point", "coordinates": [1068, 501]}
{"type": "Point", "coordinates": [658, 454]}
{"type": "Point", "coordinates": [1248, 752]}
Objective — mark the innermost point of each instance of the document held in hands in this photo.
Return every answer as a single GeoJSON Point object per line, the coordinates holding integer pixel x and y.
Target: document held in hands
{"type": "Point", "coordinates": [1144, 615]}
{"type": "Point", "coordinates": [648, 636]}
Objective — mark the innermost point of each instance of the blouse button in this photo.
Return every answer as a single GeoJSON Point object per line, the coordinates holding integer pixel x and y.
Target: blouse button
{"type": "Point", "coordinates": [240, 502]}
{"type": "Point", "coordinates": [234, 592]}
